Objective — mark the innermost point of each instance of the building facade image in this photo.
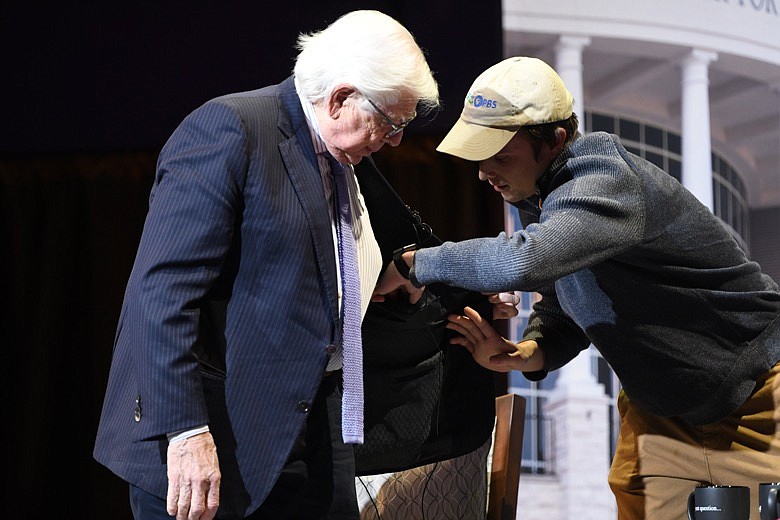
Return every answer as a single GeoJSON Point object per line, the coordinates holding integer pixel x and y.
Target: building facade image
{"type": "Point", "coordinates": [694, 87]}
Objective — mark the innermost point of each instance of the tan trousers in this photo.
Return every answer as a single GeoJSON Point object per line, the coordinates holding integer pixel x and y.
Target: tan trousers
{"type": "Point", "coordinates": [659, 461]}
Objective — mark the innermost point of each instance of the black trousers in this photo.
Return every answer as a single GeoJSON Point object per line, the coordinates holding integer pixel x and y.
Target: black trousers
{"type": "Point", "coordinates": [316, 483]}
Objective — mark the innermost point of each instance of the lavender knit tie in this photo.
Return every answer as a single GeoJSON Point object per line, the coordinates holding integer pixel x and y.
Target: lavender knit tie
{"type": "Point", "coordinates": [351, 315]}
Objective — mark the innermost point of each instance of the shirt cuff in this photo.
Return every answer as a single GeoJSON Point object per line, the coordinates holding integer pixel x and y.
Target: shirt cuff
{"type": "Point", "coordinates": [186, 434]}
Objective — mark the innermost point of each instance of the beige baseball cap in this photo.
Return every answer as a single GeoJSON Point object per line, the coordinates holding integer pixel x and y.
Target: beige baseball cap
{"type": "Point", "coordinates": [518, 91]}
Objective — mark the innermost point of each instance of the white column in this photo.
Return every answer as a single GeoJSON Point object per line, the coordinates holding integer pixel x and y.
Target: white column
{"type": "Point", "coordinates": [568, 65]}
{"type": "Point", "coordinates": [578, 405]}
{"type": "Point", "coordinates": [581, 453]}
{"type": "Point", "coordinates": [696, 143]}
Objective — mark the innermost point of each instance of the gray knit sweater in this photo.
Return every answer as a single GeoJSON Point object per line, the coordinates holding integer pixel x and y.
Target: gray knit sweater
{"type": "Point", "coordinates": [627, 259]}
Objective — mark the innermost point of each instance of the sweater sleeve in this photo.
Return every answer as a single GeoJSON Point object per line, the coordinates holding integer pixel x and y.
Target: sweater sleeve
{"type": "Point", "coordinates": [596, 214]}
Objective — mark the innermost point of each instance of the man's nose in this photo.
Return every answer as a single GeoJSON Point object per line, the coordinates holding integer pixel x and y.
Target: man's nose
{"type": "Point", "coordinates": [395, 140]}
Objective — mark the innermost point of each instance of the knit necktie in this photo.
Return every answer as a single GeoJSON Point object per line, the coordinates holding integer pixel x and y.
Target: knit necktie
{"type": "Point", "coordinates": [351, 315]}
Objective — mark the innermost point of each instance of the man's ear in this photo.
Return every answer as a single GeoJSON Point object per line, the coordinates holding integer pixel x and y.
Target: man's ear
{"type": "Point", "coordinates": [338, 98]}
{"type": "Point", "coordinates": [560, 139]}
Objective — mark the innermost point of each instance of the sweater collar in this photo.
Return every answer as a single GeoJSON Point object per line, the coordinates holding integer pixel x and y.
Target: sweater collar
{"type": "Point", "coordinates": [555, 175]}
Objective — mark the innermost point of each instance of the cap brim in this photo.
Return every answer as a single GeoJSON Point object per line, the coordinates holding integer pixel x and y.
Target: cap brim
{"type": "Point", "coordinates": [474, 142]}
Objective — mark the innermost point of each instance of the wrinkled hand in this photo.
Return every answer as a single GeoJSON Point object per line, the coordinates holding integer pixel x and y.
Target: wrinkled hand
{"type": "Point", "coordinates": [504, 305]}
{"type": "Point", "coordinates": [489, 348]}
{"type": "Point", "coordinates": [193, 478]}
{"type": "Point", "coordinates": [392, 285]}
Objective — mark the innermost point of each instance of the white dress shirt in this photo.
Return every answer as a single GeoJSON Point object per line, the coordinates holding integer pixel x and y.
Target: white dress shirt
{"type": "Point", "coordinates": [369, 255]}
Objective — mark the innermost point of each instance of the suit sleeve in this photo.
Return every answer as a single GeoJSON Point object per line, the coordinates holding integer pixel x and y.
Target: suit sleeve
{"type": "Point", "coordinates": [189, 231]}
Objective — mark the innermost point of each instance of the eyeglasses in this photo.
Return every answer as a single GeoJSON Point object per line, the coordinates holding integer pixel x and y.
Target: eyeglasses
{"type": "Point", "coordinates": [396, 128]}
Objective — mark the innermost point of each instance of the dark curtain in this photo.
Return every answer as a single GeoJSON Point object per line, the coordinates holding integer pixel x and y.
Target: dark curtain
{"type": "Point", "coordinates": [70, 225]}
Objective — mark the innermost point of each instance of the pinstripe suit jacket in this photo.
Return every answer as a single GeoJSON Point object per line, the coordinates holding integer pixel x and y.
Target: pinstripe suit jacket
{"type": "Point", "coordinates": [235, 273]}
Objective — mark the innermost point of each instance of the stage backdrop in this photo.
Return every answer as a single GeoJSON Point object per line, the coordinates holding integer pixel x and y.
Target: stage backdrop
{"type": "Point", "coordinates": [89, 95]}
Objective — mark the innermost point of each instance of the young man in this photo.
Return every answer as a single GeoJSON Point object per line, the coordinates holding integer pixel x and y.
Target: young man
{"type": "Point", "coordinates": [626, 259]}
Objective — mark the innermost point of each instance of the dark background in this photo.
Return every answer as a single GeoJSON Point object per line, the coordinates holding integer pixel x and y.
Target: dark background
{"type": "Point", "coordinates": [89, 95]}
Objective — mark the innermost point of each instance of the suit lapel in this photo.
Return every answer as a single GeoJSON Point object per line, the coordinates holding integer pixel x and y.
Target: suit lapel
{"type": "Point", "coordinates": [300, 160]}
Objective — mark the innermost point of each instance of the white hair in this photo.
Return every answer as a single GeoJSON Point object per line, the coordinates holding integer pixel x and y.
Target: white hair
{"type": "Point", "coordinates": [370, 51]}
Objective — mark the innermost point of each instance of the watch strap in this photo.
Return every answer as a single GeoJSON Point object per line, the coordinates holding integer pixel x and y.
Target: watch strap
{"type": "Point", "coordinates": [398, 259]}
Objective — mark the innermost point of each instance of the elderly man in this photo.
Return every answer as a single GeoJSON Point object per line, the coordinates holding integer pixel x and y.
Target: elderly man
{"type": "Point", "coordinates": [256, 263]}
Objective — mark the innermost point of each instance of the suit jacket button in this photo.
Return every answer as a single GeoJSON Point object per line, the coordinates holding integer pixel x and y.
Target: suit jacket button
{"type": "Point", "coordinates": [330, 349]}
{"type": "Point", "coordinates": [303, 406]}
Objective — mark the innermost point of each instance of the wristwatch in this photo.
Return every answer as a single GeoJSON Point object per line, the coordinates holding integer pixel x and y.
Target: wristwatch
{"type": "Point", "coordinates": [403, 268]}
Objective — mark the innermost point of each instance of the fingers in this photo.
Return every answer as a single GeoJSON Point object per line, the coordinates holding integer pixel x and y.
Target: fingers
{"type": "Point", "coordinates": [212, 501]}
{"type": "Point", "coordinates": [504, 305]}
{"type": "Point", "coordinates": [504, 311]}
{"type": "Point", "coordinates": [392, 283]}
{"type": "Point", "coordinates": [487, 347]}
{"type": "Point", "coordinates": [178, 500]}
{"type": "Point", "coordinates": [172, 499]}
{"type": "Point", "coordinates": [468, 332]}
{"type": "Point", "coordinates": [415, 294]}
{"type": "Point", "coordinates": [387, 284]}
{"type": "Point", "coordinates": [472, 314]}
{"type": "Point", "coordinates": [504, 297]}
{"type": "Point", "coordinates": [463, 342]}
{"type": "Point", "coordinates": [472, 325]}
{"type": "Point", "coordinates": [482, 325]}
{"type": "Point", "coordinates": [465, 326]}
{"type": "Point", "coordinates": [186, 508]}
{"type": "Point", "coordinates": [193, 478]}
{"type": "Point", "coordinates": [198, 503]}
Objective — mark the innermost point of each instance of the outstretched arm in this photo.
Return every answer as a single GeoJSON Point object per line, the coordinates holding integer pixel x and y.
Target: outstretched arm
{"type": "Point", "coordinates": [393, 282]}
